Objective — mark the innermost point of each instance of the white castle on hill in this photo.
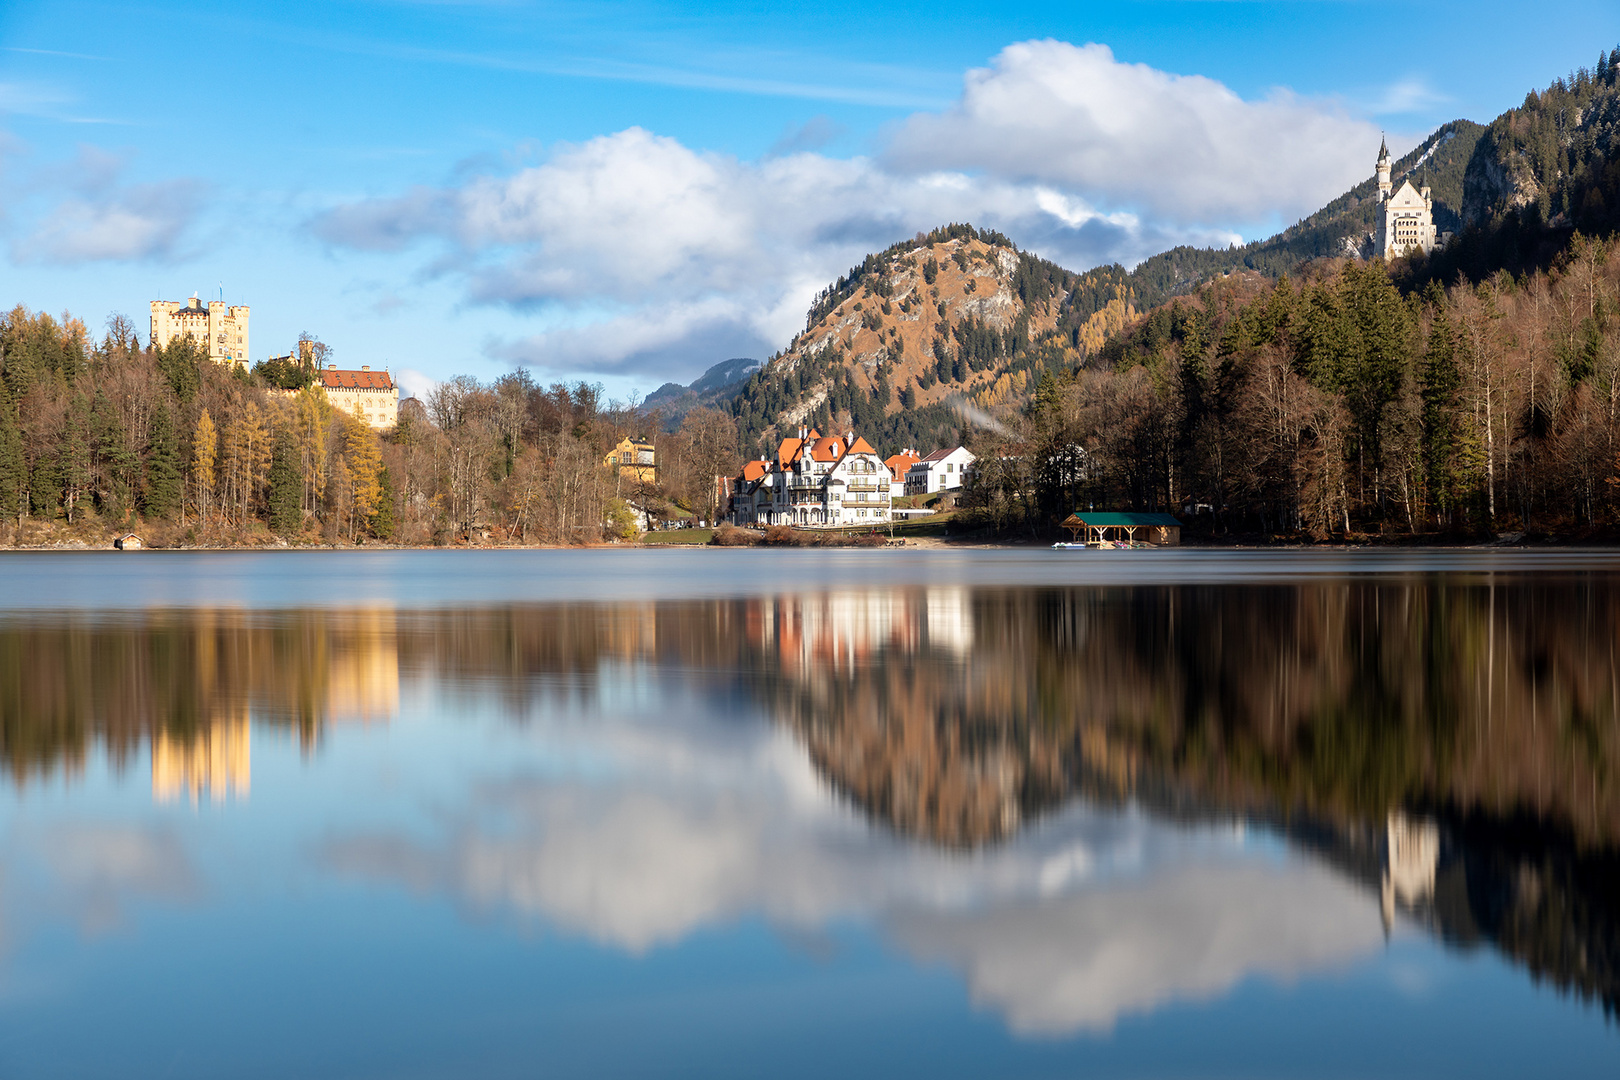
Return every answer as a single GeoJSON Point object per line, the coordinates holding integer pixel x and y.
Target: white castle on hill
{"type": "Point", "coordinates": [1407, 223]}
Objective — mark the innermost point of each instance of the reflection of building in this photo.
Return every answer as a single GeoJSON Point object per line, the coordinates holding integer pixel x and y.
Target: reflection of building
{"type": "Point", "coordinates": [835, 632]}
{"type": "Point", "coordinates": [216, 759]}
{"type": "Point", "coordinates": [637, 459]}
{"type": "Point", "coordinates": [220, 331]}
{"type": "Point", "coordinates": [1409, 864]}
{"type": "Point", "coordinates": [362, 669]}
{"type": "Point", "coordinates": [815, 635]}
{"type": "Point", "coordinates": [950, 620]}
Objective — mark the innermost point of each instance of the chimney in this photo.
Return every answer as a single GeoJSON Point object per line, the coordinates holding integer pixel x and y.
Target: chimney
{"type": "Point", "coordinates": [332, 366]}
{"type": "Point", "coordinates": [365, 367]}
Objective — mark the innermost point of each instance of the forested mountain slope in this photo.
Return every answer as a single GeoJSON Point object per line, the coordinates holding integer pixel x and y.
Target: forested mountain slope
{"type": "Point", "coordinates": [963, 313]}
{"type": "Point", "coordinates": [956, 313]}
{"type": "Point", "coordinates": [1538, 173]}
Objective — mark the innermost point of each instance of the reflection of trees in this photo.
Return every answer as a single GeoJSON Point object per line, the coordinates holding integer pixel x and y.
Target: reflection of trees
{"type": "Point", "coordinates": [1320, 708]}
{"type": "Point", "coordinates": [68, 680]}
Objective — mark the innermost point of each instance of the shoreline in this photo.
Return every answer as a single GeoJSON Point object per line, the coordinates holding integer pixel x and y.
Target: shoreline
{"type": "Point", "coordinates": [925, 543]}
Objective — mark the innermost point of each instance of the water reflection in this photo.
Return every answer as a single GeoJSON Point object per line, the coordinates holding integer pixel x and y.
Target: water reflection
{"type": "Point", "coordinates": [1058, 774]}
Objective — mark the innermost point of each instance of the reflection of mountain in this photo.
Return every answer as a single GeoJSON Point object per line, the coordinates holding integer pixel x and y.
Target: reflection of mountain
{"type": "Point", "coordinates": [1321, 709]}
{"type": "Point", "coordinates": [1481, 715]}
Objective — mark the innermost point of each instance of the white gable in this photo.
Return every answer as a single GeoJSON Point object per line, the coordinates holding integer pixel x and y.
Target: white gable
{"type": "Point", "coordinates": [1406, 197]}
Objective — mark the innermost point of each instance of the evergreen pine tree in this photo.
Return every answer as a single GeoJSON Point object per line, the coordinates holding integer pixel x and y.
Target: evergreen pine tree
{"type": "Point", "coordinates": [73, 456]}
{"type": "Point", "coordinates": [160, 497]}
{"type": "Point", "coordinates": [111, 457]}
{"type": "Point", "coordinates": [181, 363]}
{"type": "Point", "coordinates": [1439, 379]}
{"type": "Point", "coordinates": [13, 464]}
{"type": "Point", "coordinates": [384, 521]}
{"type": "Point", "coordinates": [286, 486]}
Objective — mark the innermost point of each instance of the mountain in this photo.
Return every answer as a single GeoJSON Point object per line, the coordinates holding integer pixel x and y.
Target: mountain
{"type": "Point", "coordinates": [1539, 173]}
{"type": "Point", "coordinates": [958, 312]}
{"type": "Point", "coordinates": [961, 312]}
{"type": "Point", "coordinates": [716, 387]}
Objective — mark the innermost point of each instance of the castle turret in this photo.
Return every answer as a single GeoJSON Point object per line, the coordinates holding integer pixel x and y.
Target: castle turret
{"type": "Point", "coordinates": [1383, 171]}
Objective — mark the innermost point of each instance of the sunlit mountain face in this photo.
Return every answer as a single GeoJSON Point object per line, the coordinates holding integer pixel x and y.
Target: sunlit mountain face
{"type": "Point", "coordinates": [1044, 822]}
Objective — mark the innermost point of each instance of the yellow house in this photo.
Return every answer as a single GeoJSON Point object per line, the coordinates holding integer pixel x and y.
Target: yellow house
{"type": "Point", "coordinates": [635, 458]}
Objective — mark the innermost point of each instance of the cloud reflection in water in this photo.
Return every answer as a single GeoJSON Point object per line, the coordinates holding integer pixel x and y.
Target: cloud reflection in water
{"type": "Point", "coordinates": [697, 822]}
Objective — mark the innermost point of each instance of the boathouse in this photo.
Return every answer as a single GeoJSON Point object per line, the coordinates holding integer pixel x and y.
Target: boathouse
{"type": "Point", "coordinates": [1158, 529]}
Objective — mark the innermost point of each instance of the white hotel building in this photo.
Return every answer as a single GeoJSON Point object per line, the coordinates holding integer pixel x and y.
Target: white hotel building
{"type": "Point", "coordinates": [815, 480]}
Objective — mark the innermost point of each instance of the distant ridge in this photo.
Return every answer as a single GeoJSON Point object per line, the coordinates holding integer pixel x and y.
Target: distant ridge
{"type": "Point", "coordinates": [715, 388]}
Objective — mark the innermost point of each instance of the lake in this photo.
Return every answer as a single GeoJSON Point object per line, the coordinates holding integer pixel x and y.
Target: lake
{"type": "Point", "coordinates": [697, 813]}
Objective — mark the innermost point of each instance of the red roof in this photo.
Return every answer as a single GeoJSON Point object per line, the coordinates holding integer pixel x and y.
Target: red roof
{"type": "Point", "coordinates": [788, 452]}
{"type": "Point", "coordinates": [830, 448]}
{"type": "Point", "coordinates": [899, 463]}
{"type": "Point", "coordinates": [861, 446]}
{"type": "Point", "coordinates": [333, 379]}
{"type": "Point", "coordinates": [754, 470]}
{"type": "Point", "coordinates": [940, 455]}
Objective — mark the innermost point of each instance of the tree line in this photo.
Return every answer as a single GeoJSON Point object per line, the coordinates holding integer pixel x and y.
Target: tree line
{"type": "Point", "coordinates": [1336, 404]}
{"type": "Point", "coordinates": [119, 434]}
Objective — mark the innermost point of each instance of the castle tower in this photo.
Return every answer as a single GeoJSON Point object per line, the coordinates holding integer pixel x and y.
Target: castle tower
{"type": "Point", "coordinates": [220, 331]}
{"type": "Point", "coordinates": [1383, 171]}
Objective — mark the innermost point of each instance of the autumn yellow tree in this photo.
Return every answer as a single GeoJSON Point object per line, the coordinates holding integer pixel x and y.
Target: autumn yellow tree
{"type": "Point", "coordinates": [312, 415]}
{"type": "Point", "coordinates": [365, 474]}
{"type": "Point", "coordinates": [205, 450]}
{"type": "Point", "coordinates": [246, 465]}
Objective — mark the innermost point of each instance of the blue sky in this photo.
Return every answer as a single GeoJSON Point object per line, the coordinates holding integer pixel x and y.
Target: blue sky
{"type": "Point", "coordinates": [627, 193]}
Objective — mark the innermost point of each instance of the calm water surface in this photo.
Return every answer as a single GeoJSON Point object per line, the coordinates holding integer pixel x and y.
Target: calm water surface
{"type": "Point", "coordinates": [709, 814]}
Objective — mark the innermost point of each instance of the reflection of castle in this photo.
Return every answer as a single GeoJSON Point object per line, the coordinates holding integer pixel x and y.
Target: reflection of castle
{"type": "Point", "coordinates": [1410, 859]}
{"type": "Point", "coordinates": [216, 759]}
{"type": "Point", "coordinates": [362, 672]}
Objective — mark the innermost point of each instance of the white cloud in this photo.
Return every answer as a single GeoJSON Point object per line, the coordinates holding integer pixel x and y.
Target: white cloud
{"type": "Point", "coordinates": [1409, 95]}
{"type": "Point", "coordinates": [638, 253]}
{"type": "Point", "coordinates": [141, 221]}
{"type": "Point", "coordinates": [1183, 147]}
{"type": "Point", "coordinates": [675, 257]}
